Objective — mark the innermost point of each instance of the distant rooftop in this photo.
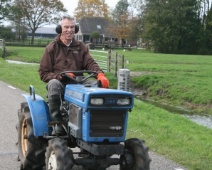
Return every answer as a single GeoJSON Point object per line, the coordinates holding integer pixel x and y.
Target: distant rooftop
{"type": "Point", "coordinates": [46, 30]}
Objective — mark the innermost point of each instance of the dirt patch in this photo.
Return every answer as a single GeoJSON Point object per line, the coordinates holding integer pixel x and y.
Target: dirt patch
{"type": "Point", "coordinates": [138, 92]}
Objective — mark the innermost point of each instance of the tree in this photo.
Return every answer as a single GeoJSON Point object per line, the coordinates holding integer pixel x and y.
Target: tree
{"type": "Point", "coordinates": [38, 13]}
{"type": "Point", "coordinates": [95, 35]}
{"type": "Point", "coordinates": [121, 8]}
{"type": "Point", "coordinates": [121, 17]}
{"type": "Point", "coordinates": [4, 5]}
{"type": "Point", "coordinates": [16, 16]}
{"type": "Point", "coordinates": [173, 26]}
{"type": "Point", "coordinates": [91, 8]}
{"type": "Point", "coordinates": [208, 31]}
{"type": "Point", "coordinates": [138, 24]}
{"type": "Point", "coordinates": [206, 5]}
{"type": "Point", "coordinates": [6, 33]}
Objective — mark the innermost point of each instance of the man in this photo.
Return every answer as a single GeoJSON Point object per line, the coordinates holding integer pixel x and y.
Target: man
{"type": "Point", "coordinates": [65, 54]}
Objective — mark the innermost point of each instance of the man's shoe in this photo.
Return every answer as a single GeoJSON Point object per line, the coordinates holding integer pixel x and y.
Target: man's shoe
{"type": "Point", "coordinates": [58, 130]}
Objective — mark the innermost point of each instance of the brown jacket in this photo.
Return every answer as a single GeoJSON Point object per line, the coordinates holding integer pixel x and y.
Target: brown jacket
{"type": "Point", "coordinates": [58, 58]}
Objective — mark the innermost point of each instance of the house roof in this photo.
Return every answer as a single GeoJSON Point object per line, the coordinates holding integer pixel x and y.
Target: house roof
{"type": "Point", "coordinates": [88, 25]}
{"type": "Point", "coordinates": [46, 30]}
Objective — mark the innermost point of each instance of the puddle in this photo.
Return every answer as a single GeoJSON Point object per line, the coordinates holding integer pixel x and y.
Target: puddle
{"type": "Point", "coordinates": [201, 120]}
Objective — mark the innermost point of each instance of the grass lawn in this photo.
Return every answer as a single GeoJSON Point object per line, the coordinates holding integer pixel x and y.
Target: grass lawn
{"type": "Point", "coordinates": [170, 79]}
{"type": "Point", "coordinates": [180, 80]}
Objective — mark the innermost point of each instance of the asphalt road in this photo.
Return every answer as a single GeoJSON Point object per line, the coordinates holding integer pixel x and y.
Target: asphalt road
{"type": "Point", "coordinates": [10, 99]}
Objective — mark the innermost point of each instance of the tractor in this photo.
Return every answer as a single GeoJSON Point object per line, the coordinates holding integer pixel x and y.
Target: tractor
{"type": "Point", "coordinates": [95, 125]}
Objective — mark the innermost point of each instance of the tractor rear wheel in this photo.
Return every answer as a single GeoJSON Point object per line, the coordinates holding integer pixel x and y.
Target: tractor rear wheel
{"type": "Point", "coordinates": [58, 155]}
{"type": "Point", "coordinates": [135, 155]}
{"type": "Point", "coordinates": [31, 149]}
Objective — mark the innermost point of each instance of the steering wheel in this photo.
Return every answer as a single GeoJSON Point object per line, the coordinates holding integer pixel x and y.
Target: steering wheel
{"type": "Point", "coordinates": [79, 79]}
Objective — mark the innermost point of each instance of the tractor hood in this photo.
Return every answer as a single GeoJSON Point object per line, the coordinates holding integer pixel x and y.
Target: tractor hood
{"type": "Point", "coordinates": [93, 97]}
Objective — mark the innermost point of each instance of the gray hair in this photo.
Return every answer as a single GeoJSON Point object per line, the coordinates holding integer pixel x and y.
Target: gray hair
{"type": "Point", "coordinates": [68, 17]}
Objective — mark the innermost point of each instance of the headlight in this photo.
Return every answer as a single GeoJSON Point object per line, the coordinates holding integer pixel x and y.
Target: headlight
{"type": "Point", "coordinates": [123, 101]}
{"type": "Point", "coordinates": [97, 101]}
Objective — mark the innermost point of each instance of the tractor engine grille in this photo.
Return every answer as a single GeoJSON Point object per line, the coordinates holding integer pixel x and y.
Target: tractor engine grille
{"type": "Point", "coordinates": [108, 123]}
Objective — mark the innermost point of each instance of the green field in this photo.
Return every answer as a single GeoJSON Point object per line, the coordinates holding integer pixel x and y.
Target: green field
{"type": "Point", "coordinates": [179, 80]}
{"type": "Point", "coordinates": [168, 134]}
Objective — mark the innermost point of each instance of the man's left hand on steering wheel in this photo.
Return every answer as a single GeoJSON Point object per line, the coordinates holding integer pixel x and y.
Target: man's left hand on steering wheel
{"type": "Point", "coordinates": [104, 81]}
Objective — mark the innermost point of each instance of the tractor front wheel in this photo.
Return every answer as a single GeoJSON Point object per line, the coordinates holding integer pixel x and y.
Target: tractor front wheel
{"type": "Point", "coordinates": [31, 149]}
{"type": "Point", "coordinates": [58, 155]}
{"type": "Point", "coordinates": [135, 155]}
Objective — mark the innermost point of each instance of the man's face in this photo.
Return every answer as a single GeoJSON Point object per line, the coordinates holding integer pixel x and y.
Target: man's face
{"type": "Point", "coordinates": [68, 29]}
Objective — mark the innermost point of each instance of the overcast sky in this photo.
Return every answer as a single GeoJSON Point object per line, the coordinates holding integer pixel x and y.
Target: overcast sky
{"type": "Point", "coordinates": [70, 5]}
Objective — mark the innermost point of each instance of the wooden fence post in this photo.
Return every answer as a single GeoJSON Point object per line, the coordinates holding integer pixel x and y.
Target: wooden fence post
{"type": "Point", "coordinates": [2, 46]}
{"type": "Point", "coordinates": [122, 64]}
{"type": "Point", "coordinates": [108, 61]}
{"type": "Point", "coordinates": [116, 64]}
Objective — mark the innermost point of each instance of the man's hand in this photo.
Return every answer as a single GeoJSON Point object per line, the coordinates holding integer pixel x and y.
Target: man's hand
{"type": "Point", "coordinates": [70, 75]}
{"type": "Point", "coordinates": [64, 76]}
{"type": "Point", "coordinates": [104, 81]}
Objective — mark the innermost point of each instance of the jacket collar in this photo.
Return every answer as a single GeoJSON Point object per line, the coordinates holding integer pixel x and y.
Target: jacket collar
{"type": "Point", "coordinates": [73, 43]}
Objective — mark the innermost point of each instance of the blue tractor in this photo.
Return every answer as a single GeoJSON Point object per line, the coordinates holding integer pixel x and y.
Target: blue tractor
{"type": "Point", "coordinates": [95, 124]}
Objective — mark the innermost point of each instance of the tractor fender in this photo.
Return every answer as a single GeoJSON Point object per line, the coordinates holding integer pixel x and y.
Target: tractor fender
{"type": "Point", "coordinates": [39, 112]}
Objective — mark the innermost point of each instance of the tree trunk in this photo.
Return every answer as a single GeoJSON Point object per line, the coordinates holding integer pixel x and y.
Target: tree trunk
{"type": "Point", "coordinates": [33, 36]}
